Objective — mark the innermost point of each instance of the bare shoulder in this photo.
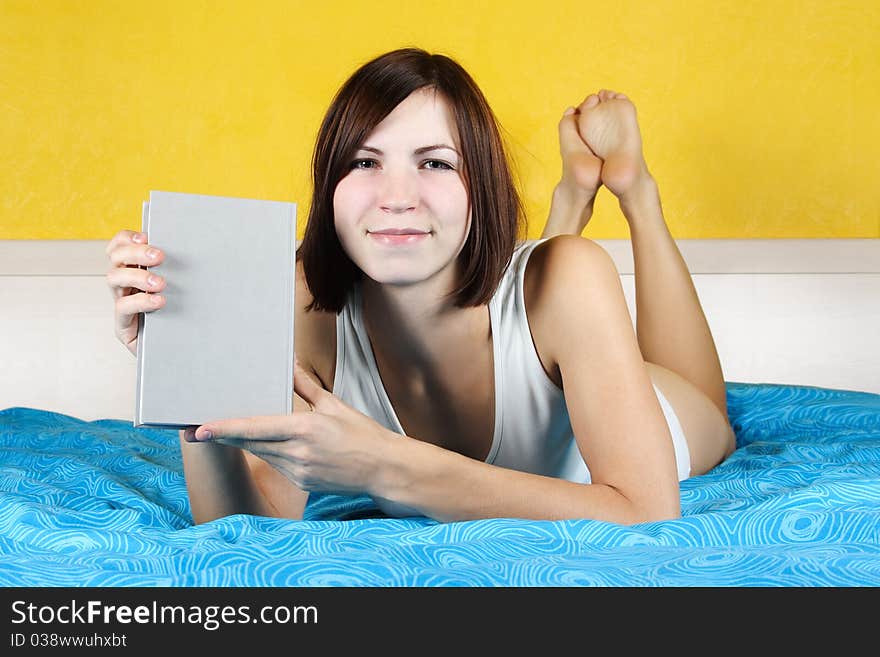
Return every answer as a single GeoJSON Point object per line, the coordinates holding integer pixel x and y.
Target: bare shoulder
{"type": "Point", "coordinates": [568, 250]}
{"type": "Point", "coordinates": [314, 334]}
{"type": "Point", "coordinates": [559, 270]}
{"type": "Point", "coordinates": [566, 267]}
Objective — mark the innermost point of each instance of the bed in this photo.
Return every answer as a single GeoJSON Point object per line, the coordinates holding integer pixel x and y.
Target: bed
{"type": "Point", "coordinates": [100, 503]}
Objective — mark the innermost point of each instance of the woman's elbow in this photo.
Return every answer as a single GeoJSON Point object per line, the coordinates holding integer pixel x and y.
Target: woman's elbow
{"type": "Point", "coordinates": [658, 510]}
{"type": "Point", "coordinates": [654, 508]}
{"type": "Point", "coordinates": [201, 516]}
{"type": "Point", "coordinates": [668, 513]}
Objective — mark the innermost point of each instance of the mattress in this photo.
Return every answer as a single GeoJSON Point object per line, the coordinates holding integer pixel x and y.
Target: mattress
{"type": "Point", "coordinates": [100, 503]}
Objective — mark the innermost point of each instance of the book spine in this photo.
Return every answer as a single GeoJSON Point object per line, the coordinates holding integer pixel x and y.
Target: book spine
{"type": "Point", "coordinates": [291, 305]}
{"type": "Point", "coordinates": [138, 408]}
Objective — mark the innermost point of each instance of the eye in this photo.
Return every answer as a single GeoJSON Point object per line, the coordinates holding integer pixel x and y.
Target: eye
{"type": "Point", "coordinates": [362, 164]}
{"type": "Point", "coordinates": [441, 165]}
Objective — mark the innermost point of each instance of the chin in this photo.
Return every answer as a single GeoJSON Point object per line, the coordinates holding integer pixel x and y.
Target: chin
{"type": "Point", "coordinates": [401, 270]}
{"type": "Point", "coordinates": [397, 278]}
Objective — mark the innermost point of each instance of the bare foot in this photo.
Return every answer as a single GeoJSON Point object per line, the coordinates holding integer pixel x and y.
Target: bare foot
{"type": "Point", "coordinates": [573, 197]}
{"type": "Point", "coordinates": [607, 123]}
{"type": "Point", "coordinates": [581, 169]}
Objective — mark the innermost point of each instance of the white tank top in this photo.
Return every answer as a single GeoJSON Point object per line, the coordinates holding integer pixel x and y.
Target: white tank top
{"type": "Point", "coordinates": [532, 433]}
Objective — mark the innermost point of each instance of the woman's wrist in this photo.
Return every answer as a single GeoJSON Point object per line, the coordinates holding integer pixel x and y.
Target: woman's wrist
{"type": "Point", "coordinates": [395, 466]}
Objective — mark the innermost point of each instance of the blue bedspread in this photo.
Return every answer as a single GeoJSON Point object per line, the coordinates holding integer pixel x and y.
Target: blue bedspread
{"type": "Point", "coordinates": [103, 504]}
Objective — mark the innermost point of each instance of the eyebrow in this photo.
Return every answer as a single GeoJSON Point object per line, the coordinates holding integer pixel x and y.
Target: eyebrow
{"type": "Point", "coordinates": [418, 151]}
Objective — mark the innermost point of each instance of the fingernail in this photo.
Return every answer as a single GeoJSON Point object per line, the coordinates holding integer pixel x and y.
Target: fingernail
{"type": "Point", "coordinates": [152, 253]}
{"type": "Point", "coordinates": [568, 112]}
{"type": "Point", "coordinates": [205, 435]}
{"type": "Point", "coordinates": [137, 237]}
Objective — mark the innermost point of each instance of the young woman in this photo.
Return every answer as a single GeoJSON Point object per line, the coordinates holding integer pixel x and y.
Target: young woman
{"type": "Point", "coordinates": [446, 369]}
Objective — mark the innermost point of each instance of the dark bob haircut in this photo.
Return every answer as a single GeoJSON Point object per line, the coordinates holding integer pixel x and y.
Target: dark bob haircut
{"type": "Point", "coordinates": [366, 98]}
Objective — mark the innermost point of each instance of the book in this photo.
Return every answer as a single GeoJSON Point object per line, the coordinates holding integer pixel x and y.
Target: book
{"type": "Point", "coordinates": [222, 345]}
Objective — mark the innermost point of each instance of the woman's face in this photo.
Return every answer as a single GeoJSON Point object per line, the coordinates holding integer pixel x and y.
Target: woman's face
{"type": "Point", "coordinates": [401, 212]}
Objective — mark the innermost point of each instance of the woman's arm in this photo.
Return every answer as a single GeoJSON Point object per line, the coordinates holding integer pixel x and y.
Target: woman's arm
{"type": "Point", "coordinates": [617, 421]}
{"type": "Point", "coordinates": [449, 487]}
{"type": "Point", "coordinates": [219, 482]}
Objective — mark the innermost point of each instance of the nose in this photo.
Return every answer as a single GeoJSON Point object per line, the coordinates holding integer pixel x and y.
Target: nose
{"type": "Point", "coordinates": [399, 191]}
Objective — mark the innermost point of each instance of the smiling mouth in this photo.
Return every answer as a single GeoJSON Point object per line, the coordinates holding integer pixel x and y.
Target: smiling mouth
{"type": "Point", "coordinates": [398, 231]}
{"type": "Point", "coordinates": [398, 237]}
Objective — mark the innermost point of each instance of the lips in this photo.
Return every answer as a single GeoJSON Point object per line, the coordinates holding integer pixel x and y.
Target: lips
{"type": "Point", "coordinates": [398, 237]}
{"type": "Point", "coordinates": [398, 231]}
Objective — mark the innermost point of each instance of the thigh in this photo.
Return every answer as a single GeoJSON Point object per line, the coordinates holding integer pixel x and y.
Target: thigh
{"type": "Point", "coordinates": [709, 436]}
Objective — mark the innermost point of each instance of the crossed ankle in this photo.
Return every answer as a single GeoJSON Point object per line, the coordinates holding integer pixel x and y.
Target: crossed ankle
{"type": "Point", "coordinates": [643, 195]}
{"type": "Point", "coordinates": [565, 194]}
{"type": "Point", "coordinates": [568, 215]}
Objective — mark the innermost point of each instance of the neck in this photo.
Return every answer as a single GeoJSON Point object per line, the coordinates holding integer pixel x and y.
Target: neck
{"type": "Point", "coordinates": [418, 330]}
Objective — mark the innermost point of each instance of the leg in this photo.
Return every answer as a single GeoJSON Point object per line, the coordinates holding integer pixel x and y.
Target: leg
{"type": "Point", "coordinates": [569, 213]}
{"type": "Point", "coordinates": [674, 336]}
{"type": "Point", "coordinates": [671, 327]}
{"type": "Point", "coordinates": [710, 437]}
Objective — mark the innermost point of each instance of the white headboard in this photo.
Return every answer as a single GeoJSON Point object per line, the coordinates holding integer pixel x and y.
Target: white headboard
{"type": "Point", "coordinates": [803, 312]}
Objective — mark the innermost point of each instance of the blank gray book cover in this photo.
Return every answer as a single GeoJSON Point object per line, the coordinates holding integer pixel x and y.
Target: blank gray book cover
{"type": "Point", "coordinates": [222, 345]}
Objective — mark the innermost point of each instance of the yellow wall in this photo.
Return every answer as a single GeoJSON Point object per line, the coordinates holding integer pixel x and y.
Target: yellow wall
{"type": "Point", "coordinates": [759, 119]}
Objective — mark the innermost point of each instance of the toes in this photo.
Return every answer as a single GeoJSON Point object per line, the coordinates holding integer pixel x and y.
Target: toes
{"type": "Point", "coordinates": [591, 101]}
{"type": "Point", "coordinates": [604, 95]}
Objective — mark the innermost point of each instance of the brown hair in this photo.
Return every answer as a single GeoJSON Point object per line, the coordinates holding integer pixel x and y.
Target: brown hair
{"type": "Point", "coordinates": [366, 98]}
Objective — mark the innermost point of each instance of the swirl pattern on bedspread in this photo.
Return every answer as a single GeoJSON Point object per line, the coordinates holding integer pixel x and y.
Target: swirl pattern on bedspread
{"type": "Point", "coordinates": [104, 504]}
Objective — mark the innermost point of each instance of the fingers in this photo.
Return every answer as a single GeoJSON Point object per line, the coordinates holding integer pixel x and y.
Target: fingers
{"type": "Point", "coordinates": [255, 447]}
{"type": "Point", "coordinates": [120, 278]}
{"type": "Point", "coordinates": [132, 304]}
{"type": "Point", "coordinates": [124, 237]}
{"type": "Point", "coordinates": [135, 254]}
{"type": "Point", "coordinates": [259, 428]}
{"type": "Point", "coordinates": [130, 248]}
{"type": "Point", "coordinates": [132, 287]}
